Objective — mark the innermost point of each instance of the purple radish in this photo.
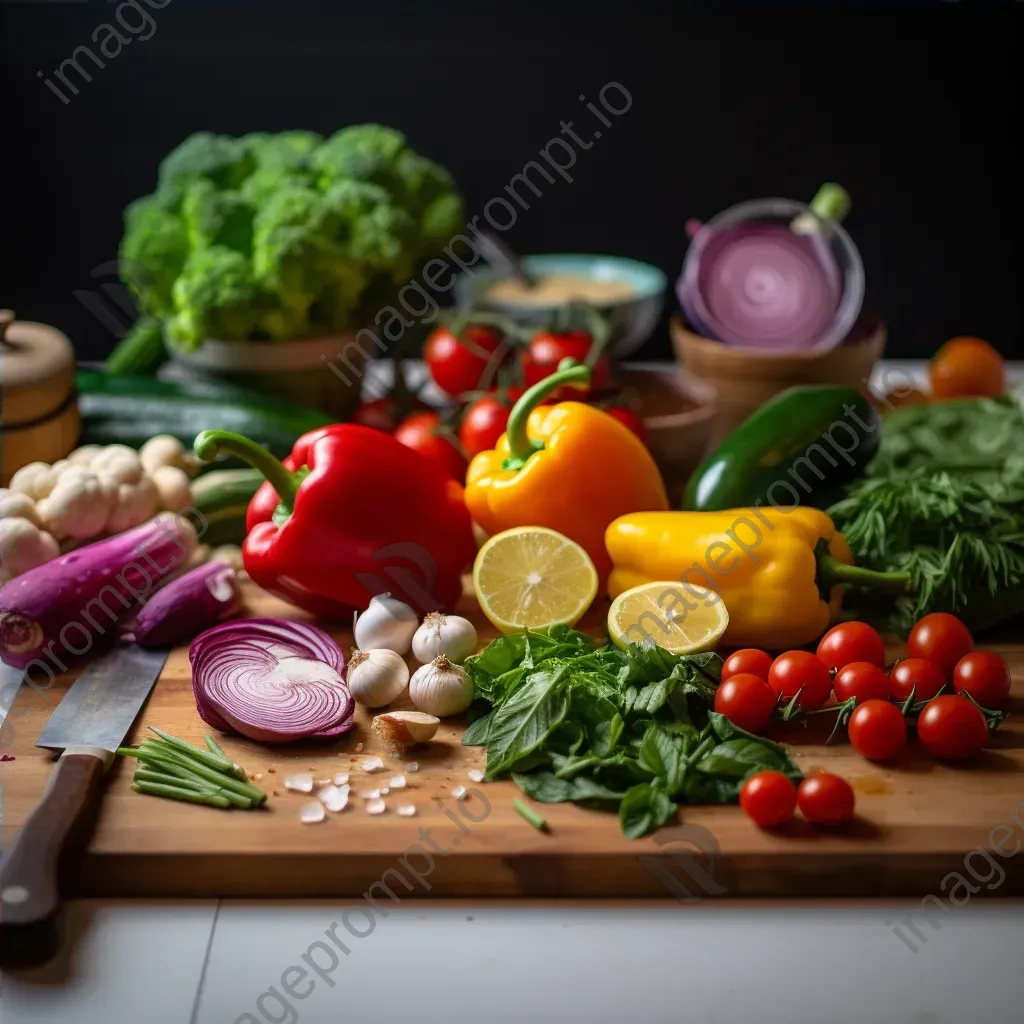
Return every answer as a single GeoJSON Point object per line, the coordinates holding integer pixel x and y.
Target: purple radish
{"type": "Point", "coordinates": [188, 605]}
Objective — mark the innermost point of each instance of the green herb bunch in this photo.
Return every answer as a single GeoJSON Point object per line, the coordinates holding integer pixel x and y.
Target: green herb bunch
{"type": "Point", "coordinates": [633, 730]}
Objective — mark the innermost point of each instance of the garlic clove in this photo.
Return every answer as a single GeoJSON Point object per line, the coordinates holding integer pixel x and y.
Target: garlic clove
{"type": "Point", "coordinates": [448, 635]}
{"type": "Point", "coordinates": [400, 729]}
{"type": "Point", "coordinates": [376, 677]}
{"type": "Point", "coordinates": [441, 688]}
{"type": "Point", "coordinates": [386, 624]}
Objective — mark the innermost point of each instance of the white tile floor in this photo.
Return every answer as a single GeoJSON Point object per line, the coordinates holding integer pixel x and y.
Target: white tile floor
{"type": "Point", "coordinates": [430, 963]}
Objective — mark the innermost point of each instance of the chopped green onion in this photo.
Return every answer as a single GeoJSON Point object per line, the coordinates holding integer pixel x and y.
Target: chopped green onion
{"type": "Point", "coordinates": [189, 796]}
{"type": "Point", "coordinates": [530, 815]}
{"type": "Point", "coordinates": [214, 761]}
{"type": "Point", "coordinates": [165, 779]}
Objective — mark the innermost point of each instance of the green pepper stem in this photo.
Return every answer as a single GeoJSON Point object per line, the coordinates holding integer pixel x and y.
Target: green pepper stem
{"type": "Point", "coordinates": [210, 443]}
{"type": "Point", "coordinates": [832, 573]}
{"type": "Point", "coordinates": [520, 447]}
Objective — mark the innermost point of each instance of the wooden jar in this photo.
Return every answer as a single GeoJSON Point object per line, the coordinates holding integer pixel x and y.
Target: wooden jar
{"type": "Point", "coordinates": [745, 378]}
{"type": "Point", "coordinates": [38, 413]}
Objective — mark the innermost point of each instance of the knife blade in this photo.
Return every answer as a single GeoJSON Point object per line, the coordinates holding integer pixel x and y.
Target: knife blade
{"type": "Point", "coordinates": [88, 726]}
{"type": "Point", "coordinates": [10, 683]}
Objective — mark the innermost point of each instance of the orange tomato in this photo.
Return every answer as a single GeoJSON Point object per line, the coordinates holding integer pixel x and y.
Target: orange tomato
{"type": "Point", "coordinates": [967, 367]}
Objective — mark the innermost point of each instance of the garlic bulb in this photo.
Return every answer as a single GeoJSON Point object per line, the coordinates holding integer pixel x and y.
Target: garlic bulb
{"type": "Point", "coordinates": [450, 635]}
{"type": "Point", "coordinates": [386, 624]}
{"type": "Point", "coordinates": [376, 677]}
{"type": "Point", "coordinates": [441, 688]}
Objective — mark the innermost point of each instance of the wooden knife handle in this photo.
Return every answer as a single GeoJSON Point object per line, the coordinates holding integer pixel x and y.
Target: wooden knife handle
{"type": "Point", "coordinates": [29, 894]}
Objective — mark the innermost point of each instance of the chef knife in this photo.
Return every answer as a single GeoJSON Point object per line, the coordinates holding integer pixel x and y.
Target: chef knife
{"type": "Point", "coordinates": [88, 726]}
{"type": "Point", "coordinates": [10, 683]}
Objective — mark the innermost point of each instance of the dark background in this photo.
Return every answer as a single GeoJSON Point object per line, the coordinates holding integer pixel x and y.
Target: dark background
{"type": "Point", "coordinates": [914, 108]}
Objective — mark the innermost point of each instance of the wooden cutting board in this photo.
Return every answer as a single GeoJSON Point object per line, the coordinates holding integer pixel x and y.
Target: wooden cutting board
{"type": "Point", "coordinates": [917, 821]}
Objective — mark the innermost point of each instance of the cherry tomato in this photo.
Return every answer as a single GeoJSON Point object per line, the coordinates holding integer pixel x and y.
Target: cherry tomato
{"type": "Point", "coordinates": [942, 638]}
{"type": "Point", "coordinates": [952, 728]}
{"type": "Point", "coordinates": [384, 413]}
{"type": "Point", "coordinates": [422, 432]}
{"type": "Point", "coordinates": [800, 670]}
{"type": "Point", "coordinates": [457, 364]}
{"type": "Point", "coordinates": [546, 350]}
{"type": "Point", "coordinates": [746, 701]}
{"type": "Point", "coordinates": [878, 730]}
{"type": "Point", "coordinates": [630, 420]}
{"type": "Point", "coordinates": [861, 680]}
{"type": "Point", "coordinates": [915, 675]}
{"type": "Point", "coordinates": [483, 422]}
{"type": "Point", "coordinates": [749, 660]}
{"type": "Point", "coordinates": [967, 367]}
{"type": "Point", "coordinates": [851, 641]}
{"type": "Point", "coordinates": [984, 676]}
{"type": "Point", "coordinates": [825, 799]}
{"type": "Point", "coordinates": [768, 798]}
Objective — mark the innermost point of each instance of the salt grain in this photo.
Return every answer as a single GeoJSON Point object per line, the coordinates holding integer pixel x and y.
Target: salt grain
{"type": "Point", "coordinates": [385, 791]}
{"type": "Point", "coordinates": [369, 794]}
{"type": "Point", "coordinates": [398, 782]}
{"type": "Point", "coordinates": [476, 775]}
{"type": "Point", "coordinates": [334, 798]}
{"type": "Point", "coordinates": [412, 766]}
{"type": "Point", "coordinates": [341, 778]}
{"type": "Point", "coordinates": [406, 810]}
{"type": "Point", "coordinates": [312, 813]}
{"type": "Point", "coordinates": [372, 764]}
{"type": "Point", "coordinates": [300, 782]}
{"type": "Point", "coordinates": [459, 792]}
{"type": "Point", "coordinates": [375, 807]}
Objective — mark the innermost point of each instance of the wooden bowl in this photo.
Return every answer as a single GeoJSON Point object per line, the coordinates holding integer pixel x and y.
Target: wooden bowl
{"type": "Point", "coordinates": [678, 413]}
{"type": "Point", "coordinates": [745, 379]}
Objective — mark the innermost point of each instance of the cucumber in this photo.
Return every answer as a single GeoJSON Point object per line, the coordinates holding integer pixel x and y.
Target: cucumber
{"type": "Point", "coordinates": [129, 409]}
{"type": "Point", "coordinates": [222, 497]}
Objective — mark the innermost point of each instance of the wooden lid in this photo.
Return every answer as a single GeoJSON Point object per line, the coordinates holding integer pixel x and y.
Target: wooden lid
{"type": "Point", "coordinates": [37, 370]}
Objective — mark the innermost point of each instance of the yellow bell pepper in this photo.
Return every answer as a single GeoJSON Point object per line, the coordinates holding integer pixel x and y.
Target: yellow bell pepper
{"type": "Point", "coordinates": [780, 571]}
{"type": "Point", "coordinates": [569, 467]}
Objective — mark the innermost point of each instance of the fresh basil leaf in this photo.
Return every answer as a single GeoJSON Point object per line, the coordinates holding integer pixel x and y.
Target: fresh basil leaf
{"type": "Point", "coordinates": [709, 789]}
{"type": "Point", "coordinates": [644, 808]}
{"type": "Point", "coordinates": [662, 754]}
{"type": "Point", "coordinates": [651, 698]}
{"type": "Point", "coordinates": [724, 729]}
{"type": "Point", "coordinates": [736, 759]}
{"type": "Point", "coordinates": [527, 718]}
{"type": "Point", "coordinates": [549, 789]}
{"type": "Point", "coordinates": [620, 772]}
{"type": "Point", "coordinates": [476, 732]}
{"type": "Point", "coordinates": [604, 735]}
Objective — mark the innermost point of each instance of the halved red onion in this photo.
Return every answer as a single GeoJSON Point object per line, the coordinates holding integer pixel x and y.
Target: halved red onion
{"type": "Point", "coordinates": [271, 680]}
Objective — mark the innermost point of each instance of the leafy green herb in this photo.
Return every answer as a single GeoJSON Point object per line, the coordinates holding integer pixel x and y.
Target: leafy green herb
{"type": "Point", "coordinates": [629, 730]}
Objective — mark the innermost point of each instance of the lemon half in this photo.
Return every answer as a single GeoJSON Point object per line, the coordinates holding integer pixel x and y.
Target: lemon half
{"type": "Point", "coordinates": [681, 618]}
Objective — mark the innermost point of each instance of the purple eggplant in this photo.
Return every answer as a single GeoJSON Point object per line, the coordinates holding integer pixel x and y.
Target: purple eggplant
{"type": "Point", "coordinates": [189, 605]}
{"type": "Point", "coordinates": [59, 609]}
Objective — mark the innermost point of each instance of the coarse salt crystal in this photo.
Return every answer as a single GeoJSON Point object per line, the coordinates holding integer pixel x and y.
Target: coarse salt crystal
{"type": "Point", "coordinates": [369, 794]}
{"type": "Point", "coordinates": [406, 810]}
{"type": "Point", "coordinates": [476, 775]}
{"type": "Point", "coordinates": [312, 813]}
{"type": "Point", "coordinates": [341, 778]}
{"type": "Point", "coordinates": [300, 782]}
{"type": "Point", "coordinates": [412, 766]}
{"type": "Point", "coordinates": [372, 764]}
{"type": "Point", "coordinates": [459, 792]}
{"type": "Point", "coordinates": [375, 807]}
{"type": "Point", "coordinates": [398, 782]}
{"type": "Point", "coordinates": [385, 791]}
{"type": "Point", "coordinates": [334, 798]}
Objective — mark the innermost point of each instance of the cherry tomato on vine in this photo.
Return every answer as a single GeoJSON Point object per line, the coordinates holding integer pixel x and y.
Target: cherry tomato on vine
{"type": "Point", "coordinates": [851, 641]}
{"type": "Point", "coordinates": [916, 675]}
{"type": "Point", "coordinates": [423, 433]}
{"type": "Point", "coordinates": [749, 660]}
{"type": "Point", "coordinates": [457, 364]}
{"type": "Point", "coordinates": [483, 422]}
{"type": "Point", "coordinates": [747, 701]}
{"type": "Point", "coordinates": [952, 728]}
{"type": "Point", "coordinates": [878, 730]}
{"type": "Point", "coordinates": [825, 799]}
{"type": "Point", "coordinates": [942, 638]}
{"type": "Point", "coordinates": [630, 420]}
{"type": "Point", "coordinates": [861, 680]}
{"type": "Point", "coordinates": [385, 413]}
{"type": "Point", "coordinates": [799, 670]}
{"type": "Point", "coordinates": [984, 676]}
{"type": "Point", "coordinates": [967, 367]}
{"type": "Point", "coordinates": [547, 349]}
{"type": "Point", "coordinates": [768, 798]}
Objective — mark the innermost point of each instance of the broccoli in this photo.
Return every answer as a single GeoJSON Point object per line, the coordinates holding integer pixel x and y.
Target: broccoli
{"type": "Point", "coordinates": [282, 235]}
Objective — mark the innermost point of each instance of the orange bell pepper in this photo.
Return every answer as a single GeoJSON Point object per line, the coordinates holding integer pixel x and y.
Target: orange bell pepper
{"type": "Point", "coordinates": [569, 467]}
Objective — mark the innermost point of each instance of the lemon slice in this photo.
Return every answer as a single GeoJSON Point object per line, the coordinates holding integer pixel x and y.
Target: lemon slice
{"type": "Point", "coordinates": [682, 619]}
{"type": "Point", "coordinates": [529, 577]}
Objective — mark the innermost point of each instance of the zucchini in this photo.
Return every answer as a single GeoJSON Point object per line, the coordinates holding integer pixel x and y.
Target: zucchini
{"type": "Point", "coordinates": [222, 498]}
{"type": "Point", "coordinates": [129, 409]}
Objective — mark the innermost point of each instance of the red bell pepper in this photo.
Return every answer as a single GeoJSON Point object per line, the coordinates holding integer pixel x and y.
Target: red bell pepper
{"type": "Point", "coordinates": [351, 513]}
